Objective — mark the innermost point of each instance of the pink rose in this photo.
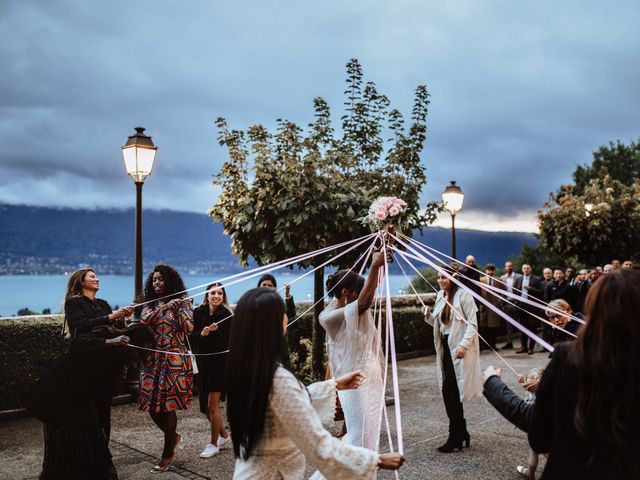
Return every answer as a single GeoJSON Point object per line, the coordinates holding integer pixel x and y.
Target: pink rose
{"type": "Point", "coordinates": [393, 211]}
{"type": "Point", "coordinates": [381, 214]}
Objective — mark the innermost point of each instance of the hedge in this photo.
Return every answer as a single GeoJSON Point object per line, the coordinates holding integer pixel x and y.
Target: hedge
{"type": "Point", "coordinates": [29, 345]}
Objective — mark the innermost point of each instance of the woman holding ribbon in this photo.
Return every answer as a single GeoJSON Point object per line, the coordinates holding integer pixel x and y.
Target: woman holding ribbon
{"type": "Point", "coordinates": [354, 343]}
{"type": "Point", "coordinates": [166, 376]}
{"type": "Point", "coordinates": [455, 336]}
{"type": "Point", "coordinates": [212, 326]}
{"type": "Point", "coordinates": [276, 420]}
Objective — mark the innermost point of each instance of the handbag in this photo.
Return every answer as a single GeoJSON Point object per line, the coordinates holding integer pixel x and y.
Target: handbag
{"type": "Point", "coordinates": [194, 364]}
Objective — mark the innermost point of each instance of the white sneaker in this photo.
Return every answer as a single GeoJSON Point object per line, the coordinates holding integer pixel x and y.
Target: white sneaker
{"type": "Point", "coordinates": [209, 451]}
{"type": "Point", "coordinates": [223, 441]}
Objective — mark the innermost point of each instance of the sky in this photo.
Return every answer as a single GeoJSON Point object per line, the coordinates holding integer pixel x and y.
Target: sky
{"type": "Point", "coordinates": [521, 92]}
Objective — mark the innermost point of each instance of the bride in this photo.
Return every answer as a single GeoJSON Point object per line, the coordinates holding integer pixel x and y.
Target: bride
{"type": "Point", "coordinates": [353, 343]}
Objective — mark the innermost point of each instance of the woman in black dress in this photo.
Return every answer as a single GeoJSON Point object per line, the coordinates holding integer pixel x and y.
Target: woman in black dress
{"type": "Point", "coordinates": [83, 311]}
{"type": "Point", "coordinates": [212, 326]}
{"type": "Point", "coordinates": [76, 445]}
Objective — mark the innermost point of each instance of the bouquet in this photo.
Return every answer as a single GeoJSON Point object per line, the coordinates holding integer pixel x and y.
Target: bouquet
{"type": "Point", "coordinates": [386, 213]}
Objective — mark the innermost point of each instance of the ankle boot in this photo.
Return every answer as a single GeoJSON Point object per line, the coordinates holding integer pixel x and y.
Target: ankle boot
{"type": "Point", "coordinates": [457, 438]}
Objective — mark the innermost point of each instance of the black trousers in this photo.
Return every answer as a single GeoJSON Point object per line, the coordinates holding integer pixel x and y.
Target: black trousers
{"type": "Point", "coordinates": [450, 392]}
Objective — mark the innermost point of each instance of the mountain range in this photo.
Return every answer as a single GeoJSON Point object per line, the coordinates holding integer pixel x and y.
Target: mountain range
{"type": "Point", "coordinates": [46, 240]}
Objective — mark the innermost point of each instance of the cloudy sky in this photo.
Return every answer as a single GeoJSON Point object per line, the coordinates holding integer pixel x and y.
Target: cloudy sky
{"type": "Point", "coordinates": [521, 91]}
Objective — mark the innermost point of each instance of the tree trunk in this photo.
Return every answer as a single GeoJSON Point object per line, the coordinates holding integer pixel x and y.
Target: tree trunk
{"type": "Point", "coordinates": [317, 349]}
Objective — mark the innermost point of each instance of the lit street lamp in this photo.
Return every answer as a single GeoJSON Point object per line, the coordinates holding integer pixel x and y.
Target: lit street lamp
{"type": "Point", "coordinates": [139, 154]}
{"type": "Point", "coordinates": [452, 197]}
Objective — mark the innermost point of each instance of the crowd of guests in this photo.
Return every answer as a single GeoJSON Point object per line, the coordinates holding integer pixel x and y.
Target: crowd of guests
{"type": "Point", "coordinates": [565, 289]}
{"type": "Point", "coordinates": [583, 417]}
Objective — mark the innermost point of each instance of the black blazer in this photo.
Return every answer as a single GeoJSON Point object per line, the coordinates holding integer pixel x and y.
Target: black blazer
{"type": "Point", "coordinates": [83, 314]}
{"type": "Point", "coordinates": [510, 406]}
{"type": "Point", "coordinates": [552, 429]}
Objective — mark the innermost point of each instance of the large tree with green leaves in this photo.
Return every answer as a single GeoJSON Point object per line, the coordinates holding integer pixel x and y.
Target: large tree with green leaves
{"type": "Point", "coordinates": [597, 219]}
{"type": "Point", "coordinates": [621, 162]}
{"type": "Point", "coordinates": [296, 190]}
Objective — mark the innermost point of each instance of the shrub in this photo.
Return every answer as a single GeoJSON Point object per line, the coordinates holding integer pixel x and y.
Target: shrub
{"type": "Point", "coordinates": [29, 345]}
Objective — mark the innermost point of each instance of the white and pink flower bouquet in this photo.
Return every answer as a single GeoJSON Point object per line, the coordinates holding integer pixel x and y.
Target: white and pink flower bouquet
{"type": "Point", "coordinates": [385, 213]}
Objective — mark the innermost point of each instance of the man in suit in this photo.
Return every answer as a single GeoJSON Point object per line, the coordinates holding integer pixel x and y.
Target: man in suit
{"type": "Point", "coordinates": [468, 274]}
{"type": "Point", "coordinates": [531, 289]}
{"type": "Point", "coordinates": [511, 283]}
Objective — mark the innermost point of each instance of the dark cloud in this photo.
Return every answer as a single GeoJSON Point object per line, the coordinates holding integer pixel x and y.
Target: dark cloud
{"type": "Point", "coordinates": [520, 93]}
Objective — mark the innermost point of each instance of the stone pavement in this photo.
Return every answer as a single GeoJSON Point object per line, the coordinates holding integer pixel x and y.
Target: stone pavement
{"type": "Point", "coordinates": [496, 446]}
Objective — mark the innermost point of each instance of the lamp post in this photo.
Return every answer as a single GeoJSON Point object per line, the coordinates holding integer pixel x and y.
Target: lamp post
{"type": "Point", "coordinates": [139, 154]}
{"type": "Point", "coordinates": [452, 197]}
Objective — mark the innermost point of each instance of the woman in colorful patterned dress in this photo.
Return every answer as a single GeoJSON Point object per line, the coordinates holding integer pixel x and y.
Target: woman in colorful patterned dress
{"type": "Point", "coordinates": [165, 380]}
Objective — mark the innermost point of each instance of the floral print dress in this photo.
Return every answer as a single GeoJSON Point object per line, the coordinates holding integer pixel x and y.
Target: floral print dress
{"type": "Point", "coordinates": [166, 380]}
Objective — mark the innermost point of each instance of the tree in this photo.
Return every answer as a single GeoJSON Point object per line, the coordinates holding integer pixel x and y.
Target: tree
{"type": "Point", "coordinates": [595, 226]}
{"type": "Point", "coordinates": [294, 191]}
{"type": "Point", "coordinates": [619, 161]}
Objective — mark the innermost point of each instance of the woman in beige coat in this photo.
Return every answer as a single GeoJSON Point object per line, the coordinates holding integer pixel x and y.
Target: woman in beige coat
{"type": "Point", "coordinates": [455, 336]}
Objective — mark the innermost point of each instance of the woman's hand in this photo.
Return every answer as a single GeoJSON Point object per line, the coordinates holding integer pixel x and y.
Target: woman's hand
{"type": "Point", "coordinates": [123, 312]}
{"type": "Point", "coordinates": [287, 290]}
{"type": "Point", "coordinates": [390, 461]}
{"type": "Point", "coordinates": [490, 372]}
{"type": "Point", "coordinates": [461, 352]}
{"type": "Point", "coordinates": [208, 329]}
{"type": "Point", "coordinates": [350, 381]}
{"type": "Point", "coordinates": [174, 304]}
{"type": "Point", "coordinates": [377, 259]}
{"type": "Point", "coordinates": [122, 340]}
{"type": "Point", "coordinates": [531, 385]}
{"type": "Point", "coordinates": [426, 311]}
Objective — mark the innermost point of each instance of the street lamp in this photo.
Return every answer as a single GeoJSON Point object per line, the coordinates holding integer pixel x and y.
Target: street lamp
{"type": "Point", "coordinates": [139, 154]}
{"type": "Point", "coordinates": [452, 198]}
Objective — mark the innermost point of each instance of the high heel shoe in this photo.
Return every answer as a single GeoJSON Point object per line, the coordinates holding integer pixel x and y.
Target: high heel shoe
{"type": "Point", "coordinates": [455, 440]}
{"type": "Point", "coordinates": [163, 465]}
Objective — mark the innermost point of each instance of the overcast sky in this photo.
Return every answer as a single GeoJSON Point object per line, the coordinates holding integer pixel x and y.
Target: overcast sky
{"type": "Point", "coordinates": [521, 92]}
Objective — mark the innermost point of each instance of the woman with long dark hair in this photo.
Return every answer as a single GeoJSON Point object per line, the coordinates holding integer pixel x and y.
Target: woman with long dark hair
{"type": "Point", "coordinates": [272, 415]}
{"type": "Point", "coordinates": [455, 337]}
{"type": "Point", "coordinates": [586, 414]}
{"type": "Point", "coordinates": [83, 312]}
{"type": "Point", "coordinates": [166, 379]}
{"type": "Point", "coordinates": [212, 326]}
{"type": "Point", "coordinates": [354, 343]}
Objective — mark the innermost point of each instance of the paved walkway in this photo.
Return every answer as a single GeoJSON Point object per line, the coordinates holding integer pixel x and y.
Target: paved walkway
{"type": "Point", "coordinates": [496, 447]}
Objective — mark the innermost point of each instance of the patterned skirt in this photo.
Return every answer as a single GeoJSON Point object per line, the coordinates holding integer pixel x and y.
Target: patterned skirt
{"type": "Point", "coordinates": [165, 383]}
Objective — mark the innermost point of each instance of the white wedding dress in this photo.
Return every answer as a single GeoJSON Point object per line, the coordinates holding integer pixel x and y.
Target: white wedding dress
{"type": "Point", "coordinates": [354, 343]}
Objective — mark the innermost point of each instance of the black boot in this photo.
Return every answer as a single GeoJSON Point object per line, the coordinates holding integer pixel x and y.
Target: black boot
{"type": "Point", "coordinates": [458, 436]}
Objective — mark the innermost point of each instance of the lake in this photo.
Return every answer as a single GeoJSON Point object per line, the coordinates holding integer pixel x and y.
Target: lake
{"type": "Point", "coordinates": [38, 292]}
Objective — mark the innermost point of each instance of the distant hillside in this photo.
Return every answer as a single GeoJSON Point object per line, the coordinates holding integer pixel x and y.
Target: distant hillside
{"type": "Point", "coordinates": [41, 240]}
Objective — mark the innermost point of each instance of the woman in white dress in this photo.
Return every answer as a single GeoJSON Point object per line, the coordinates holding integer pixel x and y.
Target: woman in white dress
{"type": "Point", "coordinates": [272, 414]}
{"type": "Point", "coordinates": [354, 343]}
{"type": "Point", "coordinates": [455, 336]}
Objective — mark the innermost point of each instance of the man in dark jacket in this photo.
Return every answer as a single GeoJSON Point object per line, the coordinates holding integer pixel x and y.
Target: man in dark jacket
{"type": "Point", "coordinates": [531, 289]}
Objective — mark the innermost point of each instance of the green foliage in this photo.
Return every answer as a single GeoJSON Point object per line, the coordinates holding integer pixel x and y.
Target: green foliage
{"type": "Point", "coordinates": [608, 230]}
{"type": "Point", "coordinates": [619, 161]}
{"type": "Point", "coordinates": [419, 283]}
{"type": "Point", "coordinates": [27, 347]}
{"type": "Point", "coordinates": [293, 191]}
{"type": "Point", "coordinates": [25, 312]}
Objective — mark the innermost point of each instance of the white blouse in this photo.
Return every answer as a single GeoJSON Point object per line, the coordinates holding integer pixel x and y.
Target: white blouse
{"type": "Point", "coordinates": [294, 430]}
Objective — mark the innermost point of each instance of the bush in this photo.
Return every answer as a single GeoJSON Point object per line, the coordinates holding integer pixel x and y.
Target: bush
{"type": "Point", "coordinates": [29, 345]}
